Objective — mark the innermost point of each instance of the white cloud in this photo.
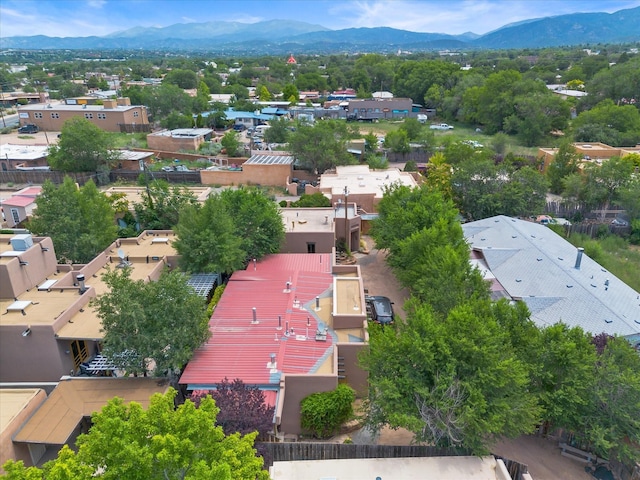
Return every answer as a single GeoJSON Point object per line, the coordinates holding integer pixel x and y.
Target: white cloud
{"type": "Point", "coordinates": [96, 3]}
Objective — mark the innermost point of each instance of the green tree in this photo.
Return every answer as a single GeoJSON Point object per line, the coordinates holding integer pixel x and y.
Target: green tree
{"type": "Point", "coordinates": [621, 122]}
{"type": "Point", "coordinates": [413, 128]}
{"type": "Point", "coordinates": [206, 239]}
{"type": "Point", "coordinates": [161, 205]}
{"type": "Point", "coordinates": [264, 94]}
{"type": "Point", "coordinates": [185, 79]}
{"type": "Point", "coordinates": [320, 146]}
{"type": "Point", "coordinates": [159, 443]}
{"type": "Point", "coordinates": [151, 327]}
{"type": "Point", "coordinates": [612, 423]}
{"type": "Point", "coordinates": [290, 93]}
{"type": "Point", "coordinates": [605, 181]}
{"type": "Point", "coordinates": [80, 221]}
{"type": "Point", "coordinates": [279, 131]}
{"type": "Point", "coordinates": [231, 143]}
{"type": "Point", "coordinates": [564, 163]}
{"type": "Point", "coordinates": [83, 147]}
{"type": "Point", "coordinates": [397, 141]}
{"type": "Point", "coordinates": [452, 381]}
{"type": "Point", "coordinates": [256, 219]}
{"type": "Point", "coordinates": [313, 200]}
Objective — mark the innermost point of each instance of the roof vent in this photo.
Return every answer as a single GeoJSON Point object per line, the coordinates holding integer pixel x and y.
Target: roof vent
{"type": "Point", "coordinates": [579, 258]}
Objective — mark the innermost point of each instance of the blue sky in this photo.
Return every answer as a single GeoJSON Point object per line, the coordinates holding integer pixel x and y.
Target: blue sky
{"type": "Point", "coordinates": [79, 18]}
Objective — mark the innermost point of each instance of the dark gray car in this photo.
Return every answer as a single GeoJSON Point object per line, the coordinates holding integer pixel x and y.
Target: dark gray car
{"type": "Point", "coordinates": [380, 309]}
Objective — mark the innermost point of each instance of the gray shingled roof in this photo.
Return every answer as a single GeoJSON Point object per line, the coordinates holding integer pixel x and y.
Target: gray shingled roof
{"type": "Point", "coordinates": [537, 266]}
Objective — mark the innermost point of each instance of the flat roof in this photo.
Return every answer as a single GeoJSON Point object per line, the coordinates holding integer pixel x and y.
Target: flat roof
{"type": "Point", "coordinates": [441, 468]}
{"type": "Point", "coordinates": [240, 348]}
{"type": "Point", "coordinates": [76, 108]}
{"type": "Point", "coordinates": [135, 194]}
{"type": "Point", "coordinates": [308, 219]}
{"type": "Point", "coordinates": [12, 402]}
{"type": "Point", "coordinates": [133, 155]}
{"type": "Point", "coordinates": [359, 179]}
{"type": "Point", "coordinates": [23, 152]}
{"type": "Point", "coordinates": [75, 398]}
{"type": "Point", "coordinates": [183, 133]}
{"type": "Point", "coordinates": [537, 266]}
{"type": "Point", "coordinates": [270, 160]}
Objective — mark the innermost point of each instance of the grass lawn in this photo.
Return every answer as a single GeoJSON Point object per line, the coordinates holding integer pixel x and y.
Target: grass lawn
{"type": "Point", "coordinates": [129, 140]}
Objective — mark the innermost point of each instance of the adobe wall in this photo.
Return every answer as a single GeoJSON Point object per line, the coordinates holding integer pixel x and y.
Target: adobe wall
{"type": "Point", "coordinates": [274, 175]}
{"type": "Point", "coordinates": [15, 451]}
{"type": "Point", "coordinates": [296, 242]}
{"type": "Point", "coordinates": [296, 388]}
{"type": "Point", "coordinates": [348, 359]}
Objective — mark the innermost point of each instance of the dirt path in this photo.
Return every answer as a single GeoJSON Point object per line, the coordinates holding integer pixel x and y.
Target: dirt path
{"type": "Point", "coordinates": [541, 456]}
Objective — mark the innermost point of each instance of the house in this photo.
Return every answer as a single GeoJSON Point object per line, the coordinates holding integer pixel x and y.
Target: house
{"type": "Point", "coordinates": [66, 412]}
{"type": "Point", "coordinates": [528, 262]}
{"type": "Point", "coordinates": [47, 326]}
{"type": "Point", "coordinates": [259, 169]}
{"type": "Point", "coordinates": [179, 139]}
{"type": "Point", "coordinates": [291, 325]}
{"type": "Point", "coordinates": [588, 152]}
{"type": "Point", "coordinates": [308, 230]}
{"type": "Point", "coordinates": [23, 157]}
{"type": "Point", "coordinates": [112, 116]}
{"type": "Point", "coordinates": [364, 186]}
{"type": "Point", "coordinates": [407, 468]}
{"type": "Point", "coordinates": [17, 405]}
{"type": "Point", "coordinates": [132, 160]}
{"type": "Point", "coordinates": [380, 108]}
{"type": "Point", "coordinates": [19, 207]}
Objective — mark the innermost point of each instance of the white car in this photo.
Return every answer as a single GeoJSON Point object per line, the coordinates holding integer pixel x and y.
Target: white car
{"type": "Point", "coordinates": [441, 126]}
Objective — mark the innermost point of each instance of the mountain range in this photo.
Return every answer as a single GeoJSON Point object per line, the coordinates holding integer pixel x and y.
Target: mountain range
{"type": "Point", "coordinates": [283, 36]}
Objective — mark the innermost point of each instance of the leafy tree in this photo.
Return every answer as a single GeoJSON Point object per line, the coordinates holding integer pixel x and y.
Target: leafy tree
{"type": "Point", "coordinates": [536, 115]}
{"type": "Point", "coordinates": [606, 180]}
{"type": "Point", "coordinates": [321, 146]}
{"type": "Point", "coordinates": [279, 131]}
{"type": "Point", "coordinates": [159, 443]}
{"type": "Point", "coordinates": [185, 79]}
{"type": "Point", "coordinates": [231, 143]}
{"type": "Point", "coordinates": [242, 408]}
{"type": "Point", "coordinates": [566, 374]}
{"type": "Point", "coordinates": [206, 239]}
{"type": "Point", "coordinates": [264, 94]}
{"type": "Point", "coordinates": [452, 381]}
{"type": "Point", "coordinates": [438, 175]}
{"type": "Point", "coordinates": [83, 147]}
{"type": "Point", "coordinates": [151, 327]}
{"type": "Point", "coordinates": [622, 121]}
{"type": "Point", "coordinates": [290, 93]}
{"type": "Point", "coordinates": [413, 128]}
{"type": "Point", "coordinates": [323, 413]}
{"type": "Point", "coordinates": [313, 200]}
{"type": "Point", "coordinates": [257, 221]}
{"type": "Point", "coordinates": [565, 163]}
{"type": "Point", "coordinates": [397, 141]}
{"type": "Point", "coordinates": [370, 143]}
{"type": "Point", "coordinates": [80, 221]}
{"type": "Point", "coordinates": [177, 120]}
{"type": "Point", "coordinates": [161, 205]}
{"type": "Point", "coordinates": [612, 424]}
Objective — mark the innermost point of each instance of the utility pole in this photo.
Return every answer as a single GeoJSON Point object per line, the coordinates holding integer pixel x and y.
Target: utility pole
{"type": "Point", "coordinates": [347, 236]}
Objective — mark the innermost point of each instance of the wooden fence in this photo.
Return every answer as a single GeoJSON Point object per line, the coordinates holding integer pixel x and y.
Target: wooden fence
{"type": "Point", "coordinates": [131, 176]}
{"type": "Point", "coordinates": [283, 452]}
{"type": "Point", "coordinates": [38, 177]}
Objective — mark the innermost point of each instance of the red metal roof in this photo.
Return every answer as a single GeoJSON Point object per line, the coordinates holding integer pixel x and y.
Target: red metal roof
{"type": "Point", "coordinates": [241, 349]}
{"type": "Point", "coordinates": [30, 192]}
{"type": "Point", "coordinates": [19, 201]}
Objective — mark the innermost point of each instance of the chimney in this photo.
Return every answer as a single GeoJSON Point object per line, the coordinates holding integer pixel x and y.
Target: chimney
{"type": "Point", "coordinates": [579, 257]}
{"type": "Point", "coordinates": [108, 104]}
{"type": "Point", "coordinates": [124, 102]}
{"type": "Point", "coordinates": [80, 280]}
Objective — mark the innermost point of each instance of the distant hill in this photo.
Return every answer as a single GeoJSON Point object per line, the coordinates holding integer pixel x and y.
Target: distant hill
{"type": "Point", "coordinates": [575, 29]}
{"type": "Point", "coordinates": [277, 37]}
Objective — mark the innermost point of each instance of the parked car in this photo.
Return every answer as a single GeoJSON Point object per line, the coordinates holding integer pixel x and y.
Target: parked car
{"type": "Point", "coordinates": [28, 128]}
{"type": "Point", "coordinates": [619, 222]}
{"type": "Point", "coordinates": [168, 168]}
{"type": "Point", "coordinates": [182, 168]}
{"type": "Point", "coordinates": [441, 126]}
{"type": "Point", "coordinates": [380, 309]}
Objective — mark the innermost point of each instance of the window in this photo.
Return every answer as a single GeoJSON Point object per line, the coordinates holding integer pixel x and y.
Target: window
{"type": "Point", "coordinates": [135, 114]}
{"type": "Point", "coordinates": [15, 215]}
{"type": "Point", "coordinates": [311, 247]}
{"type": "Point", "coordinates": [55, 115]}
{"type": "Point", "coordinates": [102, 116]}
{"type": "Point", "coordinates": [37, 115]}
{"type": "Point", "coordinates": [88, 116]}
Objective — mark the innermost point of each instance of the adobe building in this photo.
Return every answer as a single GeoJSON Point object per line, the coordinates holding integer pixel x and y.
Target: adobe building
{"type": "Point", "coordinates": [23, 157]}
{"type": "Point", "coordinates": [291, 325]}
{"type": "Point", "coordinates": [179, 139]}
{"type": "Point", "coordinates": [19, 206]}
{"type": "Point", "coordinates": [112, 116]}
{"type": "Point", "coordinates": [47, 326]}
{"type": "Point", "coordinates": [588, 152]}
{"type": "Point", "coordinates": [259, 169]}
{"type": "Point", "coordinates": [363, 186]}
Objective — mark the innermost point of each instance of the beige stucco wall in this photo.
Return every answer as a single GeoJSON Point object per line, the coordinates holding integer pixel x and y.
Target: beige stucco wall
{"type": "Point", "coordinates": [173, 144]}
{"type": "Point", "coordinates": [10, 450]}
{"type": "Point", "coordinates": [114, 118]}
{"type": "Point", "coordinates": [296, 242]}
{"type": "Point", "coordinates": [354, 375]}
{"type": "Point", "coordinates": [16, 279]}
{"type": "Point", "coordinates": [276, 175]}
{"type": "Point", "coordinates": [296, 388]}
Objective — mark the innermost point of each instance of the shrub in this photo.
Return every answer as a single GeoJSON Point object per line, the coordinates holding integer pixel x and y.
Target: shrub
{"type": "Point", "coordinates": [323, 413]}
{"type": "Point", "coordinates": [217, 294]}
